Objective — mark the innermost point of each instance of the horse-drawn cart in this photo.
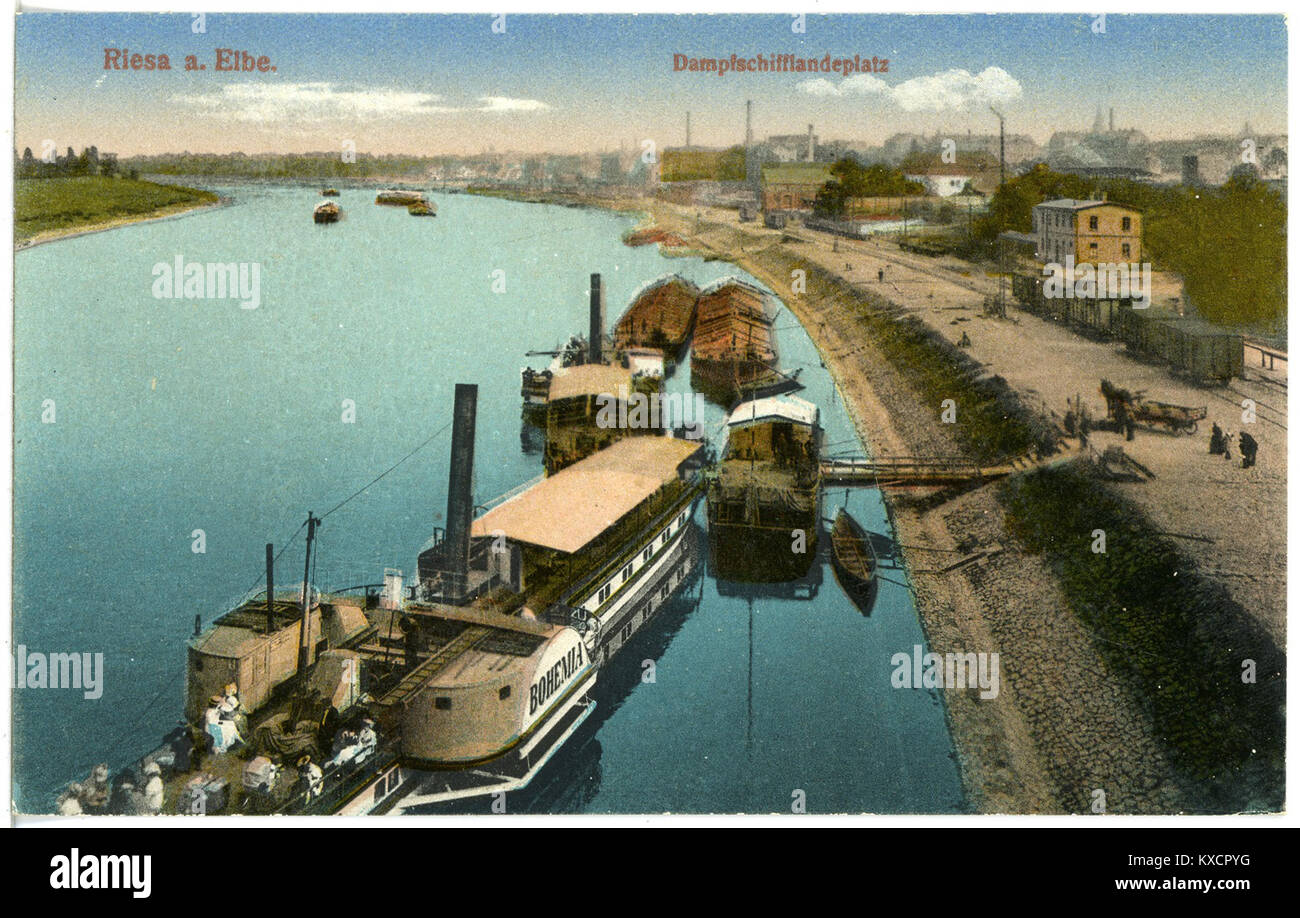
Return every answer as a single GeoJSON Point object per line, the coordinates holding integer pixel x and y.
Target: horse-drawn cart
{"type": "Point", "coordinates": [1139, 410]}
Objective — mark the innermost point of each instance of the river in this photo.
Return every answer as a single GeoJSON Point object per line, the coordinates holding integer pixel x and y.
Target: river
{"type": "Point", "coordinates": [140, 421]}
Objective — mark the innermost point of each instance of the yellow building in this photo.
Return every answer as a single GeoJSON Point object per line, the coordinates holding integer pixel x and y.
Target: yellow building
{"type": "Point", "coordinates": [1093, 232]}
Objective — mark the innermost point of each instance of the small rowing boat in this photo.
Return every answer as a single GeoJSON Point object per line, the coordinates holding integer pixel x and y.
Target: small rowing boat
{"type": "Point", "coordinates": [854, 559]}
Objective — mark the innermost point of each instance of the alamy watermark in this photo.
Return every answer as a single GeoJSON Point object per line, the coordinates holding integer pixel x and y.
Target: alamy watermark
{"type": "Point", "coordinates": [212, 280]}
{"type": "Point", "coordinates": [84, 671]}
{"type": "Point", "coordinates": [950, 671]}
{"type": "Point", "coordinates": [639, 411]}
{"type": "Point", "coordinates": [1102, 281]}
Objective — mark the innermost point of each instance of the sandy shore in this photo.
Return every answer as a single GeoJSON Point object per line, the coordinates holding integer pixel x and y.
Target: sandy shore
{"type": "Point", "coordinates": [72, 232]}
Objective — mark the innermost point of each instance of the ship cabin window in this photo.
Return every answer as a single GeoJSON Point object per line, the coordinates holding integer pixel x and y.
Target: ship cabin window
{"type": "Point", "coordinates": [649, 550]}
{"type": "Point", "coordinates": [663, 539]}
{"type": "Point", "coordinates": [504, 693]}
{"type": "Point", "coordinates": [1092, 247]}
{"type": "Point", "coordinates": [627, 631]}
{"type": "Point", "coordinates": [681, 520]}
{"type": "Point", "coordinates": [627, 572]}
{"type": "Point", "coordinates": [442, 703]}
{"type": "Point", "coordinates": [604, 593]}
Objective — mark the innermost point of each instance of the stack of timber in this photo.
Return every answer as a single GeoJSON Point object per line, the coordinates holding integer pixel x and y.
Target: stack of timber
{"type": "Point", "coordinates": [661, 316]}
{"type": "Point", "coordinates": [734, 347]}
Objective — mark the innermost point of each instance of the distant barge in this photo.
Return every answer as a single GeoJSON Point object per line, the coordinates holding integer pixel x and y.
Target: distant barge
{"type": "Point", "coordinates": [398, 198]}
{"type": "Point", "coordinates": [326, 212]}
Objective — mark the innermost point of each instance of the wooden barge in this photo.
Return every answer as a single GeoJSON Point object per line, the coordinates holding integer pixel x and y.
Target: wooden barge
{"type": "Point", "coordinates": [734, 347]}
{"type": "Point", "coordinates": [399, 198]}
{"type": "Point", "coordinates": [764, 496]}
{"type": "Point", "coordinates": [326, 212]}
{"type": "Point", "coordinates": [661, 316]}
{"type": "Point", "coordinates": [854, 560]}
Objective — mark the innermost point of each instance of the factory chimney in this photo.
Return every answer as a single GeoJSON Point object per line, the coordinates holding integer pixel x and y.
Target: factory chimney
{"type": "Point", "coordinates": [460, 493]}
{"type": "Point", "coordinates": [1112, 119]}
{"type": "Point", "coordinates": [749, 124]}
{"type": "Point", "coordinates": [812, 149]}
{"type": "Point", "coordinates": [596, 327]}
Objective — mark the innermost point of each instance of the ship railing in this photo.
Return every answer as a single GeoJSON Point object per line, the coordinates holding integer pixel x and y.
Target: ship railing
{"type": "Point", "coordinates": [339, 782]}
{"type": "Point", "coordinates": [513, 492]}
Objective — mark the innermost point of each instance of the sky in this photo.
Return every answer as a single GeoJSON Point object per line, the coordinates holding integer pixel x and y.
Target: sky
{"type": "Point", "coordinates": [454, 84]}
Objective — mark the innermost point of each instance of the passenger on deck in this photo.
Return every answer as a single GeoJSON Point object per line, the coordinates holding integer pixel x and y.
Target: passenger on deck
{"type": "Point", "coordinates": [232, 709]}
{"type": "Point", "coordinates": [368, 737]}
{"type": "Point", "coordinates": [224, 733]}
{"type": "Point", "coordinates": [230, 706]}
{"type": "Point", "coordinates": [354, 746]}
{"type": "Point", "coordinates": [310, 778]}
{"type": "Point", "coordinates": [70, 800]}
{"type": "Point", "coordinates": [95, 793]}
{"type": "Point", "coordinates": [153, 789]}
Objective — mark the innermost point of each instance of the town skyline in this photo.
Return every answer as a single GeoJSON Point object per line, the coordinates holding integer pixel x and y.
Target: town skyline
{"type": "Point", "coordinates": [537, 87]}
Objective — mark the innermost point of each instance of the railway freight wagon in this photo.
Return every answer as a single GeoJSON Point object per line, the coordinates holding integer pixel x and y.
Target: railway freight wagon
{"type": "Point", "coordinates": [1095, 315]}
{"type": "Point", "coordinates": [1202, 351]}
{"type": "Point", "coordinates": [1194, 347]}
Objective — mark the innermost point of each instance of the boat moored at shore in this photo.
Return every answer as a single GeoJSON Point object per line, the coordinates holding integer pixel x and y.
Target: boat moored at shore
{"type": "Point", "coordinates": [764, 496]}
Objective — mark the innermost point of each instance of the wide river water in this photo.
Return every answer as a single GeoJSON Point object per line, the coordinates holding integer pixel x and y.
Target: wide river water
{"type": "Point", "coordinates": [139, 420]}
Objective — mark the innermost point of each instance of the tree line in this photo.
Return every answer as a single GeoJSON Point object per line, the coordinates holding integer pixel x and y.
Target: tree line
{"type": "Point", "coordinates": [89, 162]}
{"type": "Point", "coordinates": [1228, 244]}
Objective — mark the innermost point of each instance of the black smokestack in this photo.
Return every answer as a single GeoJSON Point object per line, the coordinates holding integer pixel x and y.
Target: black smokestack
{"type": "Point", "coordinates": [460, 489]}
{"type": "Point", "coordinates": [596, 338]}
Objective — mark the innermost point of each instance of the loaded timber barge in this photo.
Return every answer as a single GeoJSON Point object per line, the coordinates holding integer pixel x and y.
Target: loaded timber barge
{"type": "Point", "coordinates": [734, 348]}
{"type": "Point", "coordinates": [388, 696]}
{"type": "Point", "coordinates": [661, 316]}
{"type": "Point", "coordinates": [764, 496]}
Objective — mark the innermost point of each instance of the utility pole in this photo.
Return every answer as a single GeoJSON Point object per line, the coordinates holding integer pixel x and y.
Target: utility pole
{"type": "Point", "coordinates": [1002, 181]}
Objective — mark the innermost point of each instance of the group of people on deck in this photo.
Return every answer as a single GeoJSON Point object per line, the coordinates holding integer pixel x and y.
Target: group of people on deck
{"type": "Point", "coordinates": [225, 720]}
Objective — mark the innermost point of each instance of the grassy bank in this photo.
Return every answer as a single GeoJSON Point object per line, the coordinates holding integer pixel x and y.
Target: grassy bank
{"type": "Point", "coordinates": [60, 205]}
{"type": "Point", "coordinates": [1176, 639]}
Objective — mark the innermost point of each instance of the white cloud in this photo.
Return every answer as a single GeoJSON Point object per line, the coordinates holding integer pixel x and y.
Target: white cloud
{"type": "Point", "coordinates": [950, 90]}
{"type": "Point", "coordinates": [506, 104]}
{"type": "Point", "coordinates": [269, 103]}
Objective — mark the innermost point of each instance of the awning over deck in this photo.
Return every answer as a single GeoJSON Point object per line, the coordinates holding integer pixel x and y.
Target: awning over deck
{"type": "Point", "coordinates": [571, 508]}
{"type": "Point", "coordinates": [590, 379]}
